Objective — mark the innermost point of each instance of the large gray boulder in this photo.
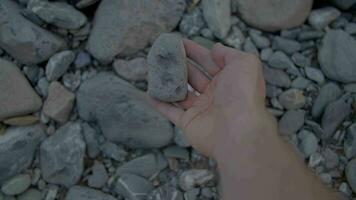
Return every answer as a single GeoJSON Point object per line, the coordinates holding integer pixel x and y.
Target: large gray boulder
{"type": "Point", "coordinates": [337, 56]}
{"type": "Point", "coordinates": [17, 97]}
{"type": "Point", "coordinates": [62, 155]}
{"type": "Point", "coordinates": [122, 113]}
{"type": "Point", "coordinates": [17, 149]}
{"type": "Point", "coordinates": [123, 27]}
{"type": "Point", "coordinates": [25, 41]}
{"type": "Point", "coordinates": [86, 193]}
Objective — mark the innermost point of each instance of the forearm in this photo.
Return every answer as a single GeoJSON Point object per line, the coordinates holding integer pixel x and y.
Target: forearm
{"type": "Point", "coordinates": [262, 166]}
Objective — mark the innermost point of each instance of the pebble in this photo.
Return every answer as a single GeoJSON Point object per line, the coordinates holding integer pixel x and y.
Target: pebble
{"type": "Point", "coordinates": [91, 138]}
{"type": "Point", "coordinates": [315, 75]}
{"type": "Point", "coordinates": [326, 178]}
{"type": "Point", "coordinates": [288, 46]}
{"type": "Point", "coordinates": [180, 139]}
{"type": "Point", "coordinates": [300, 60]}
{"type": "Point", "coordinates": [266, 54]}
{"type": "Point", "coordinates": [291, 122]}
{"type": "Point", "coordinates": [345, 189]}
{"type": "Point", "coordinates": [331, 158]}
{"type": "Point", "coordinates": [86, 193]}
{"type": "Point", "coordinates": [308, 144]}
{"type": "Point", "coordinates": [72, 80]}
{"type": "Point", "coordinates": [192, 194]}
{"type": "Point", "coordinates": [21, 121]}
{"type": "Point", "coordinates": [133, 187]}
{"type": "Point", "coordinates": [351, 174]}
{"type": "Point", "coordinates": [42, 86]}
{"type": "Point", "coordinates": [32, 73]}
{"type": "Point", "coordinates": [310, 35]}
{"type": "Point", "coordinates": [259, 40]}
{"type": "Point", "coordinates": [300, 83]}
{"type": "Point", "coordinates": [280, 60]}
{"type": "Point", "coordinates": [176, 152]}
{"type": "Point", "coordinates": [58, 64]}
{"type": "Point", "coordinates": [315, 160]}
{"type": "Point", "coordinates": [16, 185]}
{"type": "Point", "coordinates": [192, 22]}
{"type": "Point", "coordinates": [165, 193]}
{"type": "Point", "coordinates": [235, 38]}
{"type": "Point", "coordinates": [350, 142]}
{"type": "Point", "coordinates": [322, 17]}
{"type": "Point", "coordinates": [85, 3]}
{"type": "Point", "coordinates": [189, 179]}
{"type": "Point", "coordinates": [168, 73]}
{"type": "Point", "coordinates": [31, 194]}
{"type": "Point", "coordinates": [344, 4]}
{"type": "Point", "coordinates": [132, 70]}
{"type": "Point", "coordinates": [99, 175]}
{"type": "Point", "coordinates": [276, 77]}
{"type": "Point", "coordinates": [328, 93]}
{"type": "Point", "coordinates": [250, 47]}
{"type": "Point", "coordinates": [52, 192]}
{"type": "Point", "coordinates": [59, 102]}
{"type": "Point", "coordinates": [82, 60]}
{"type": "Point", "coordinates": [350, 28]}
{"type": "Point", "coordinates": [113, 151]}
{"type": "Point", "coordinates": [292, 99]}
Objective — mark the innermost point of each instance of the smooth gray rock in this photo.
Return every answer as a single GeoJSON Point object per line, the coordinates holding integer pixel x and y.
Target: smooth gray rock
{"type": "Point", "coordinates": [192, 22]}
{"type": "Point", "coordinates": [82, 60]}
{"type": "Point", "coordinates": [315, 75]}
{"type": "Point", "coordinates": [337, 56]}
{"type": "Point", "coordinates": [99, 175]}
{"type": "Point", "coordinates": [291, 122]}
{"type": "Point", "coordinates": [310, 35]}
{"type": "Point", "coordinates": [122, 112]}
{"type": "Point", "coordinates": [351, 28]}
{"type": "Point", "coordinates": [31, 194]}
{"type": "Point", "coordinates": [308, 143]}
{"type": "Point", "coordinates": [288, 46]}
{"type": "Point", "coordinates": [250, 47]}
{"type": "Point", "coordinates": [86, 193]}
{"type": "Point", "coordinates": [113, 151]}
{"type": "Point", "coordinates": [62, 155]}
{"type": "Point", "coordinates": [266, 54]}
{"type": "Point", "coordinates": [168, 73]}
{"type": "Point", "coordinates": [350, 142]}
{"type": "Point", "coordinates": [176, 152]}
{"type": "Point", "coordinates": [300, 60]}
{"type": "Point", "coordinates": [300, 83]}
{"type": "Point", "coordinates": [344, 4]}
{"type": "Point", "coordinates": [351, 174]}
{"type": "Point", "coordinates": [72, 80]}
{"type": "Point", "coordinates": [144, 166]}
{"type": "Point", "coordinates": [292, 99]}
{"type": "Point", "coordinates": [17, 97]}
{"type": "Point", "coordinates": [42, 87]}
{"type": "Point", "coordinates": [280, 60]}
{"type": "Point", "coordinates": [58, 64]}
{"type": "Point", "coordinates": [16, 185]}
{"type": "Point", "coordinates": [259, 40]}
{"type": "Point", "coordinates": [189, 179]}
{"type": "Point", "coordinates": [91, 138]}
{"type": "Point", "coordinates": [328, 93]}
{"type": "Point", "coordinates": [116, 32]}
{"type": "Point", "coordinates": [24, 40]}
{"type": "Point", "coordinates": [276, 77]}
{"type": "Point", "coordinates": [331, 158]}
{"type": "Point", "coordinates": [132, 70]}
{"type": "Point", "coordinates": [165, 193]}
{"type": "Point", "coordinates": [17, 149]}
{"type": "Point", "coordinates": [322, 17]}
{"type": "Point", "coordinates": [217, 14]}
{"type": "Point", "coordinates": [133, 187]}
{"type": "Point", "coordinates": [59, 14]}
{"type": "Point", "coordinates": [334, 115]}
{"type": "Point", "coordinates": [235, 38]}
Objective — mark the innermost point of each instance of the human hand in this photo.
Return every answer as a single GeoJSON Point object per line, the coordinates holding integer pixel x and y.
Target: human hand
{"type": "Point", "coordinates": [229, 105]}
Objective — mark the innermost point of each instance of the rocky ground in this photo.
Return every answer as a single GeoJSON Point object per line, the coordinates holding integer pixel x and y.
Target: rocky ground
{"type": "Point", "coordinates": [74, 124]}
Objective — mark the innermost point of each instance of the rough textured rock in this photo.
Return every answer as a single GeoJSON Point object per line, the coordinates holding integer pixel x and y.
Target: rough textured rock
{"type": "Point", "coordinates": [291, 122]}
{"type": "Point", "coordinates": [58, 64]}
{"type": "Point", "coordinates": [192, 22]}
{"type": "Point", "coordinates": [217, 14]}
{"type": "Point", "coordinates": [274, 15]}
{"type": "Point", "coordinates": [133, 187]}
{"type": "Point", "coordinates": [322, 17]}
{"type": "Point", "coordinates": [99, 175]}
{"type": "Point", "coordinates": [166, 192]}
{"type": "Point", "coordinates": [145, 166]}
{"type": "Point", "coordinates": [168, 73]}
{"type": "Point", "coordinates": [59, 102]}
{"type": "Point", "coordinates": [16, 185]}
{"type": "Point", "coordinates": [113, 151]}
{"type": "Point", "coordinates": [17, 148]}
{"type": "Point", "coordinates": [132, 70]}
{"type": "Point", "coordinates": [91, 139]}
{"type": "Point", "coordinates": [351, 174]}
{"type": "Point", "coordinates": [62, 155]}
{"type": "Point", "coordinates": [116, 32]}
{"type": "Point", "coordinates": [276, 77]}
{"type": "Point", "coordinates": [194, 177]}
{"type": "Point", "coordinates": [59, 14]}
{"type": "Point", "coordinates": [86, 193]}
{"type": "Point", "coordinates": [350, 142]}
{"type": "Point", "coordinates": [17, 96]}
{"type": "Point", "coordinates": [22, 39]}
{"type": "Point", "coordinates": [337, 56]}
{"type": "Point", "coordinates": [328, 93]}
{"type": "Point", "coordinates": [292, 99]}
{"type": "Point", "coordinates": [122, 113]}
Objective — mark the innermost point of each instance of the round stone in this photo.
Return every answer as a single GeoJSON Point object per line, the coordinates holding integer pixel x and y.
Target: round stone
{"type": "Point", "coordinates": [16, 185]}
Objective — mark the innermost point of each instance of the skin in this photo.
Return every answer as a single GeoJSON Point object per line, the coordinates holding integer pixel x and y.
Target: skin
{"type": "Point", "coordinates": [228, 121]}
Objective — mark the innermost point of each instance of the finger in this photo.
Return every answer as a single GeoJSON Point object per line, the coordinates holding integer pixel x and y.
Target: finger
{"type": "Point", "coordinates": [201, 56]}
{"type": "Point", "coordinates": [173, 113]}
{"type": "Point", "coordinates": [223, 55]}
{"type": "Point", "coordinates": [197, 79]}
{"type": "Point", "coordinates": [189, 101]}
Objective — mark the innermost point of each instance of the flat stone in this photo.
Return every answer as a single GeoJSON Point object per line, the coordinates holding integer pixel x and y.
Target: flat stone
{"type": "Point", "coordinates": [113, 151]}
{"type": "Point", "coordinates": [122, 113]}
{"type": "Point", "coordinates": [84, 3]}
{"type": "Point", "coordinates": [273, 15]}
{"type": "Point", "coordinates": [300, 83]}
{"type": "Point", "coordinates": [308, 143]}
{"type": "Point", "coordinates": [315, 75]}
{"type": "Point", "coordinates": [31, 194]}
{"type": "Point", "coordinates": [16, 185]}
{"type": "Point", "coordinates": [99, 175]}
{"type": "Point", "coordinates": [280, 60]}
{"type": "Point", "coordinates": [23, 40]}
{"type": "Point", "coordinates": [337, 56]}
{"type": "Point", "coordinates": [189, 179]}
{"type": "Point", "coordinates": [288, 46]}
{"type": "Point", "coordinates": [351, 174]}
{"type": "Point", "coordinates": [192, 22]}
{"type": "Point", "coordinates": [144, 166]}
{"type": "Point", "coordinates": [168, 73]}
{"type": "Point", "coordinates": [291, 122]}
{"type": "Point", "coordinates": [350, 142]}
{"type": "Point", "coordinates": [334, 115]}
{"type": "Point", "coordinates": [59, 102]}
{"type": "Point", "coordinates": [292, 99]}
{"type": "Point", "coordinates": [300, 60]}
{"type": "Point", "coordinates": [21, 121]}
{"type": "Point", "coordinates": [17, 97]}
{"type": "Point", "coordinates": [328, 93]}
{"type": "Point", "coordinates": [322, 17]}
{"type": "Point", "coordinates": [91, 139]}
{"type": "Point", "coordinates": [276, 77]}
{"type": "Point", "coordinates": [58, 64]}
{"type": "Point", "coordinates": [116, 32]}
{"type": "Point", "coordinates": [132, 70]}
{"type": "Point", "coordinates": [86, 193]}
{"type": "Point", "coordinates": [176, 152]}
{"type": "Point", "coordinates": [59, 14]}
{"type": "Point", "coordinates": [217, 14]}
{"type": "Point", "coordinates": [17, 149]}
{"type": "Point", "coordinates": [62, 155]}
{"type": "Point", "coordinates": [133, 187]}
{"type": "Point", "coordinates": [310, 35]}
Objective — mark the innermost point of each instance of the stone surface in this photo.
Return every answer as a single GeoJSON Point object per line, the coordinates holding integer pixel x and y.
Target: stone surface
{"type": "Point", "coordinates": [292, 99]}
{"type": "Point", "coordinates": [274, 15]}
{"type": "Point", "coordinates": [16, 185]}
{"type": "Point", "coordinates": [22, 39]}
{"type": "Point", "coordinates": [276, 77]}
{"type": "Point", "coordinates": [280, 60]}
{"type": "Point", "coordinates": [334, 115]}
{"type": "Point", "coordinates": [192, 22]}
{"type": "Point", "coordinates": [351, 174]}
{"type": "Point", "coordinates": [133, 187]}
{"type": "Point", "coordinates": [328, 93]}
{"type": "Point", "coordinates": [180, 139]}
{"type": "Point", "coordinates": [194, 177]}
{"type": "Point", "coordinates": [17, 148]}
{"type": "Point", "coordinates": [91, 139]}
{"type": "Point", "coordinates": [58, 64]}
{"type": "Point", "coordinates": [337, 56]}
{"type": "Point", "coordinates": [62, 155]}
{"type": "Point", "coordinates": [344, 4]}
{"type": "Point", "coordinates": [82, 60]}
{"type": "Point", "coordinates": [259, 40]}
{"type": "Point", "coordinates": [115, 32]}
{"type": "Point", "coordinates": [331, 158]}
{"type": "Point", "coordinates": [217, 14]}
{"type": "Point", "coordinates": [166, 192]}
{"type": "Point", "coordinates": [86, 193]}
{"type": "Point", "coordinates": [31, 194]}
{"type": "Point", "coordinates": [21, 121]}
{"type": "Point", "coordinates": [350, 142]}
{"type": "Point", "coordinates": [315, 75]}
{"type": "Point", "coordinates": [291, 122]}
{"type": "Point", "coordinates": [132, 70]}
{"type": "Point", "coordinates": [59, 14]}
{"type": "Point", "coordinates": [300, 83]}
{"type": "Point", "coordinates": [168, 73]}
{"type": "Point", "coordinates": [59, 102]}
{"type": "Point", "coordinates": [144, 166]}
{"type": "Point", "coordinates": [99, 175]}
{"type": "Point", "coordinates": [286, 45]}
{"type": "Point", "coordinates": [113, 151]}
{"type": "Point", "coordinates": [176, 152]}
{"type": "Point", "coordinates": [122, 113]}
{"type": "Point", "coordinates": [17, 96]}
{"type": "Point", "coordinates": [322, 17]}
{"type": "Point", "coordinates": [308, 143]}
